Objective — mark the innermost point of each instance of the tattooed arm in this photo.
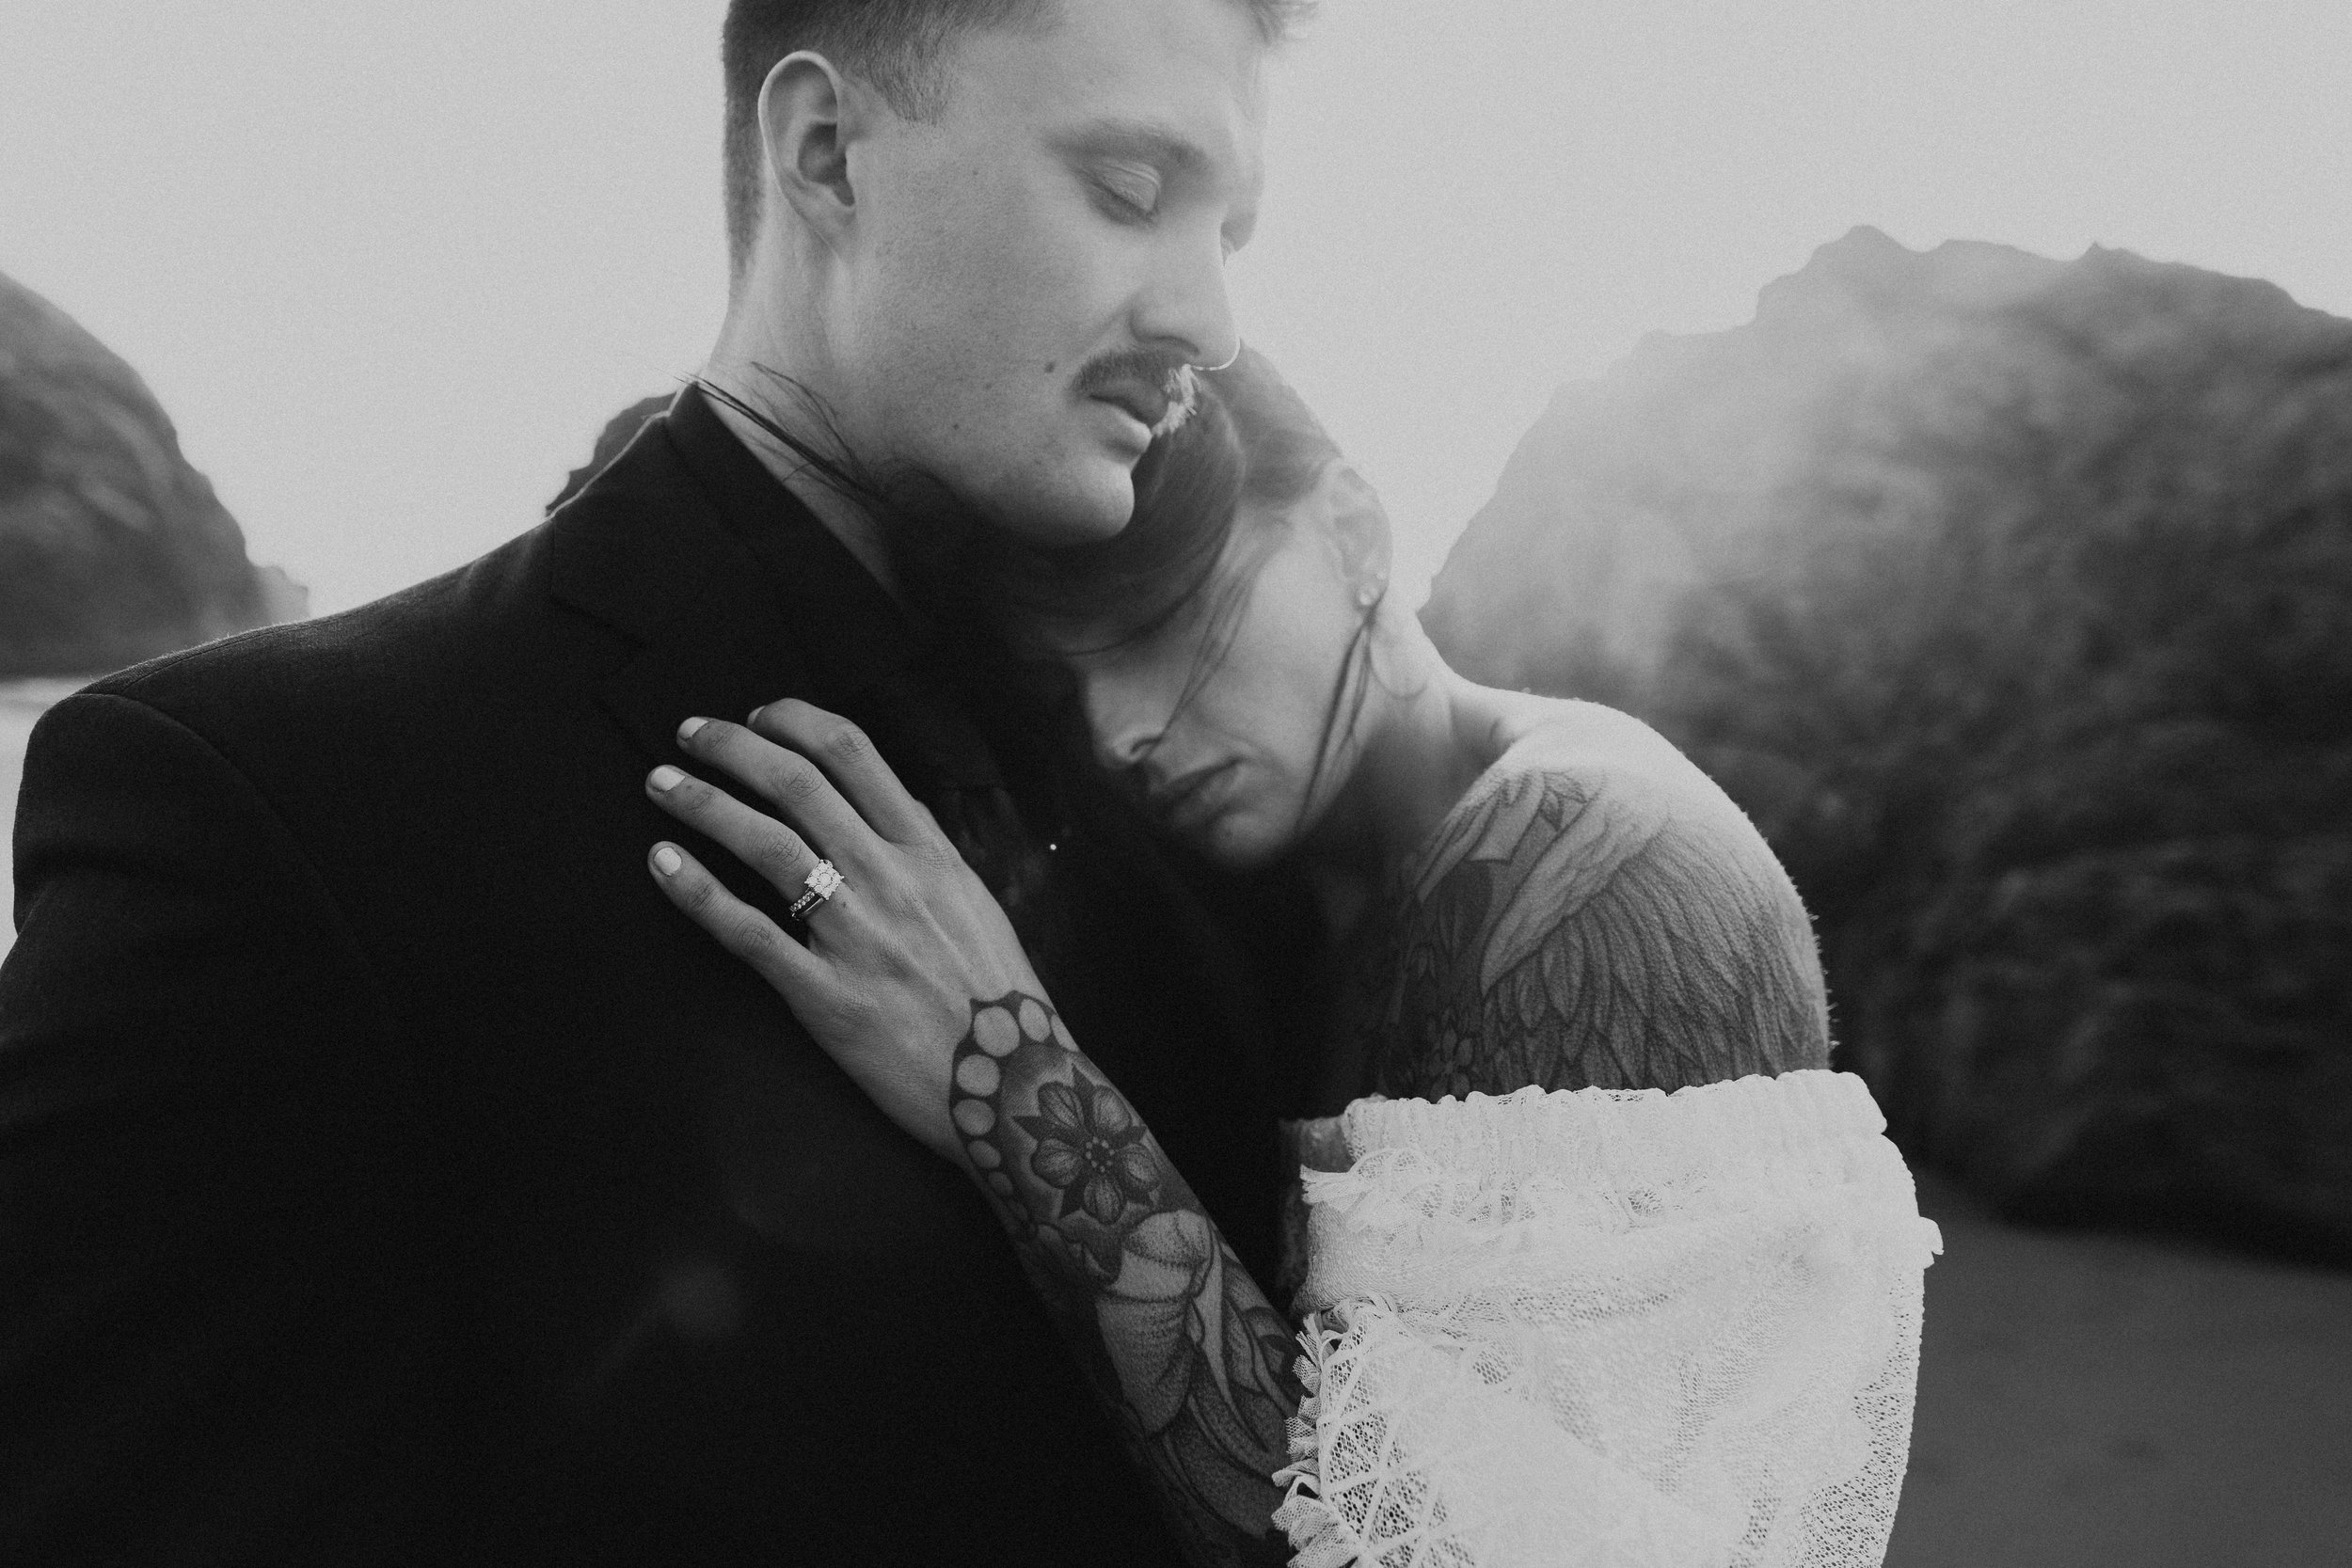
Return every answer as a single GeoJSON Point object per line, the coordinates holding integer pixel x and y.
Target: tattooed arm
{"type": "Point", "coordinates": [1177, 1339]}
{"type": "Point", "coordinates": [911, 979]}
{"type": "Point", "coordinates": [1596, 911]}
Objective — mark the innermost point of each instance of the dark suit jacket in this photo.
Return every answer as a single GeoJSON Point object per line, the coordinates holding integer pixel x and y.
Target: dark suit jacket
{"type": "Point", "coordinates": [388, 1173]}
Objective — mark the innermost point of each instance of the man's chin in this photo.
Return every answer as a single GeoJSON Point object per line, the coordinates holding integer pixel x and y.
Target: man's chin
{"type": "Point", "coordinates": [1094, 503]}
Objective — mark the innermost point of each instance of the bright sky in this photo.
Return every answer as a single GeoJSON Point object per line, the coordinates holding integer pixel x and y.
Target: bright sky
{"type": "Point", "coordinates": [391, 266]}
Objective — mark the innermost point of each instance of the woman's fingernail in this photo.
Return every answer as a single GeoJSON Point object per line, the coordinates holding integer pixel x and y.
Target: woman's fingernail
{"type": "Point", "coordinates": [667, 861]}
{"type": "Point", "coordinates": [666, 778]}
{"type": "Point", "coordinates": [687, 730]}
{"type": "Point", "coordinates": [754, 720]}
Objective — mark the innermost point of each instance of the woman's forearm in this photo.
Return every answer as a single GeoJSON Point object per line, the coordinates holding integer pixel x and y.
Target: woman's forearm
{"type": "Point", "coordinates": [908, 952]}
{"type": "Point", "coordinates": [1174, 1335]}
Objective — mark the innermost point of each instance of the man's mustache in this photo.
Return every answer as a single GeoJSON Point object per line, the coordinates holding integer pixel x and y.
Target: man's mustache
{"type": "Point", "coordinates": [1161, 379]}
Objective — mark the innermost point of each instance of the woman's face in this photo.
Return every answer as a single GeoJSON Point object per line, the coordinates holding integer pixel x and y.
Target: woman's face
{"type": "Point", "coordinates": [1219, 716]}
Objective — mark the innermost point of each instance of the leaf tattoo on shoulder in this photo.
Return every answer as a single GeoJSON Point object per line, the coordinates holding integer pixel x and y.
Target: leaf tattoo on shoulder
{"type": "Point", "coordinates": [1572, 929]}
{"type": "Point", "coordinates": [1173, 1333]}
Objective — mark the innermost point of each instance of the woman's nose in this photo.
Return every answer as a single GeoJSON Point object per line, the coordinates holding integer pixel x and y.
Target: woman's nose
{"type": "Point", "coordinates": [1121, 722]}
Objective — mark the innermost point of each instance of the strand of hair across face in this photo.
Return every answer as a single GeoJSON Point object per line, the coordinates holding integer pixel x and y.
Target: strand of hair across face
{"type": "Point", "coordinates": [1360, 643]}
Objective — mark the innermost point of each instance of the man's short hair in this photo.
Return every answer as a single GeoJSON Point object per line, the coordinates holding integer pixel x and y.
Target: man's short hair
{"type": "Point", "coordinates": [896, 47]}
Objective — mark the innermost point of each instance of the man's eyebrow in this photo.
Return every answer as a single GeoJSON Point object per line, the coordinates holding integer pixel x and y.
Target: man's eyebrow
{"type": "Point", "coordinates": [1136, 138]}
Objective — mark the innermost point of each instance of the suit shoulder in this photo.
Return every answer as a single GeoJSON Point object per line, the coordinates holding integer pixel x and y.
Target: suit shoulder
{"type": "Point", "coordinates": [412, 642]}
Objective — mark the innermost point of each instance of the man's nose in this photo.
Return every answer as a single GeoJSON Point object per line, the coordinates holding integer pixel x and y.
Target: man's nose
{"type": "Point", "coordinates": [1187, 308]}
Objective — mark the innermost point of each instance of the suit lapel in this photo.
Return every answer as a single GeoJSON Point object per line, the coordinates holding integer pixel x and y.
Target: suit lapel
{"type": "Point", "coordinates": [735, 595]}
{"type": "Point", "coordinates": [723, 668]}
{"type": "Point", "coordinates": [644, 551]}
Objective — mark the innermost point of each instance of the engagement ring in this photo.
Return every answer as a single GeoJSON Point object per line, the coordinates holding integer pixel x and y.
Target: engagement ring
{"type": "Point", "coordinates": [822, 883]}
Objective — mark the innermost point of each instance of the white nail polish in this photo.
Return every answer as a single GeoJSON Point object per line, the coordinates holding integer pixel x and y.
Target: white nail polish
{"type": "Point", "coordinates": [667, 861]}
{"type": "Point", "coordinates": [666, 778]}
{"type": "Point", "coordinates": [686, 730]}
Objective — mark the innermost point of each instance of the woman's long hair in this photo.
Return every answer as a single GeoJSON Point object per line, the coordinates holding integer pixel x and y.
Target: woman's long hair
{"type": "Point", "coordinates": [1210, 500]}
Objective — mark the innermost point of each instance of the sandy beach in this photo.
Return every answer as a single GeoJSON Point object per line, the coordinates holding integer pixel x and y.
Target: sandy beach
{"type": "Point", "coordinates": [2094, 1401]}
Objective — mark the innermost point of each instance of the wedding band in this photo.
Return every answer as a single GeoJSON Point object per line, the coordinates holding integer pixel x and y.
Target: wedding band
{"type": "Point", "coordinates": [822, 883]}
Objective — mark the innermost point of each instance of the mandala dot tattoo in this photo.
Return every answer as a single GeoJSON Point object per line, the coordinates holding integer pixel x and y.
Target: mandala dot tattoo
{"type": "Point", "coordinates": [1174, 1335]}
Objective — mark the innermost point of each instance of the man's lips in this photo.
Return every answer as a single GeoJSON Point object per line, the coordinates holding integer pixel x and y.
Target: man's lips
{"type": "Point", "coordinates": [1149, 406]}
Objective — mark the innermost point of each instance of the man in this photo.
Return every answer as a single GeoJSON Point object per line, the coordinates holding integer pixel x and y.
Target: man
{"type": "Point", "coordinates": [388, 1173]}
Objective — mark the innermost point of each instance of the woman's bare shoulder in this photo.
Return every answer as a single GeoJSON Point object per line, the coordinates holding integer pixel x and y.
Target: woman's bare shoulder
{"type": "Point", "coordinates": [1593, 889]}
{"type": "Point", "coordinates": [1531, 732]}
{"type": "Point", "coordinates": [1572, 793]}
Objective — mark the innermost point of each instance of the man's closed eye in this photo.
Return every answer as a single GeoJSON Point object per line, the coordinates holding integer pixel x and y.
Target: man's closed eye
{"type": "Point", "coordinates": [1129, 195]}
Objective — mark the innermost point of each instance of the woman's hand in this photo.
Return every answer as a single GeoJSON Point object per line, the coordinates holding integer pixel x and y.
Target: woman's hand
{"type": "Point", "coordinates": [897, 959]}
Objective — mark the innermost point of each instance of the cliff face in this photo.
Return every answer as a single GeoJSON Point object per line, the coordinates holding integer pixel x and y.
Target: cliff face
{"type": "Point", "coordinates": [2013, 599]}
{"type": "Point", "coordinates": [112, 547]}
{"type": "Point", "coordinates": [1674, 468]}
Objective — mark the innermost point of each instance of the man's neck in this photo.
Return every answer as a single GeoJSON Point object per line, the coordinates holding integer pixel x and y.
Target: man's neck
{"type": "Point", "coordinates": [857, 529]}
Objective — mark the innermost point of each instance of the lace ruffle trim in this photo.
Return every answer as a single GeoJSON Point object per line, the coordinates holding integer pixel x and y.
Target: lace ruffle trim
{"type": "Point", "coordinates": [1319, 1537]}
{"type": "Point", "coordinates": [1802, 1114]}
{"type": "Point", "coordinates": [1497, 1170]}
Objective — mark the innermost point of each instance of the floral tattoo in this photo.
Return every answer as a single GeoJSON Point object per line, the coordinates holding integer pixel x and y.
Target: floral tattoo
{"type": "Point", "coordinates": [1089, 1146]}
{"type": "Point", "coordinates": [1175, 1335]}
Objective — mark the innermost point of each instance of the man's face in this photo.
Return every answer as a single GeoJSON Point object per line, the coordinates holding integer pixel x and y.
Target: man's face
{"type": "Point", "coordinates": [1024, 272]}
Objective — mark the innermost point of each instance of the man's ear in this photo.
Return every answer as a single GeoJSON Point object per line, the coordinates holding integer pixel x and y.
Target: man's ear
{"type": "Point", "coordinates": [807, 119]}
{"type": "Point", "coordinates": [1359, 525]}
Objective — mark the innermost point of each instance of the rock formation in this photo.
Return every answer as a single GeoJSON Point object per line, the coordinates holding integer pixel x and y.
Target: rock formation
{"type": "Point", "coordinates": [112, 547]}
{"type": "Point", "coordinates": [1672, 468]}
{"type": "Point", "coordinates": [2013, 599]}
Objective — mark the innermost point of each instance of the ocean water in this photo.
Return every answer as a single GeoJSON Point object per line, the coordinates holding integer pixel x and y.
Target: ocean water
{"type": "Point", "coordinates": [20, 703]}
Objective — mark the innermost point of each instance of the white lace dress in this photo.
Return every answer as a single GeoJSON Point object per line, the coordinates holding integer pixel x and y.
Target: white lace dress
{"type": "Point", "coordinates": [1609, 1328]}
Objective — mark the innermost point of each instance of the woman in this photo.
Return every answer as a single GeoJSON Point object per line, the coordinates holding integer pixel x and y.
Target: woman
{"type": "Point", "coordinates": [1531, 895]}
